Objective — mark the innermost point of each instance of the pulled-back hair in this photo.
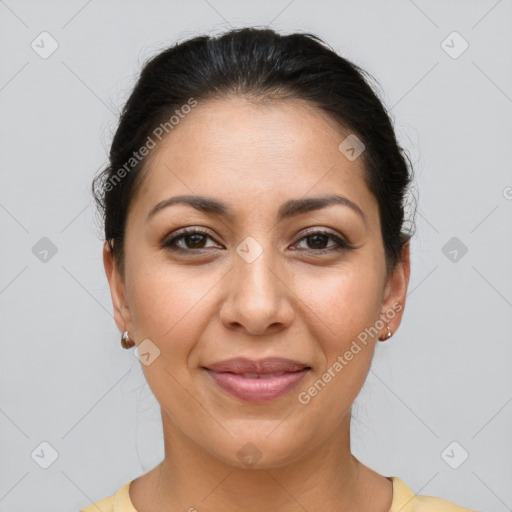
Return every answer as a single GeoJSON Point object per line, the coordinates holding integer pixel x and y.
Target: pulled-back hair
{"type": "Point", "coordinates": [261, 65]}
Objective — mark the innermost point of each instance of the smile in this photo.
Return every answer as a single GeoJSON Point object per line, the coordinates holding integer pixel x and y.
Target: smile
{"type": "Point", "coordinates": [257, 381]}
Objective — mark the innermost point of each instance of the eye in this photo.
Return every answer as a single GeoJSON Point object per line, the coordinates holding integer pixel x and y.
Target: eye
{"type": "Point", "coordinates": [194, 239]}
{"type": "Point", "coordinates": [318, 242]}
{"type": "Point", "coordinates": [188, 240]}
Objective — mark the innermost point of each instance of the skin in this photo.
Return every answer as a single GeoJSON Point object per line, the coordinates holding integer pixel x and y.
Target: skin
{"type": "Point", "coordinates": [204, 306]}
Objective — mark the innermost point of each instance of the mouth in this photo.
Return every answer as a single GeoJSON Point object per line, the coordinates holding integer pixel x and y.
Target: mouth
{"type": "Point", "coordinates": [257, 381]}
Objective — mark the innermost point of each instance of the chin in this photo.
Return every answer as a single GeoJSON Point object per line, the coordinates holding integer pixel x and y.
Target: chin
{"type": "Point", "coordinates": [259, 451]}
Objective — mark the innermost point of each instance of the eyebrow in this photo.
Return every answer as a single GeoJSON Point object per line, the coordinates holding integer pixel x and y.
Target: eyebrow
{"type": "Point", "coordinates": [291, 208]}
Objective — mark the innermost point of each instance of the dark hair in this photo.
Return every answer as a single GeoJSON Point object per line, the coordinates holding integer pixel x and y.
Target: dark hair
{"type": "Point", "coordinates": [262, 65]}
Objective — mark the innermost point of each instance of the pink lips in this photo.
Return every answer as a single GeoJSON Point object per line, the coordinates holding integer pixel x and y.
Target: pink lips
{"type": "Point", "coordinates": [257, 381]}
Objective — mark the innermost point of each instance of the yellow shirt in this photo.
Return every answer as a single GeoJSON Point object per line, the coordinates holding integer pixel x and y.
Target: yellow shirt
{"type": "Point", "coordinates": [404, 500]}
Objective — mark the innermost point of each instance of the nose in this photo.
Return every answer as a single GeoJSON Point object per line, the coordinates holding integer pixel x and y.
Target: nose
{"type": "Point", "coordinates": [259, 301]}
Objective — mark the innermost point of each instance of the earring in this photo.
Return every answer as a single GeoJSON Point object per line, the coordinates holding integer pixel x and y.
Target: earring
{"type": "Point", "coordinates": [388, 335]}
{"type": "Point", "coordinates": [126, 341]}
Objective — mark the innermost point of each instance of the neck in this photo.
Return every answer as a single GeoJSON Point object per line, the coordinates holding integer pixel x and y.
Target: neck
{"type": "Point", "coordinates": [326, 478]}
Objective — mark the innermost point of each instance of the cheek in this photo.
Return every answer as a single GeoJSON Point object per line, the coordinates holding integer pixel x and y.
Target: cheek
{"type": "Point", "coordinates": [344, 301]}
{"type": "Point", "coordinates": [165, 300]}
{"type": "Point", "coordinates": [167, 308]}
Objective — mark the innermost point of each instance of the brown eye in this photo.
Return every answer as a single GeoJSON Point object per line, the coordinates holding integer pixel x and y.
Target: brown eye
{"type": "Point", "coordinates": [194, 241]}
{"type": "Point", "coordinates": [318, 242]}
{"type": "Point", "coordinates": [189, 240]}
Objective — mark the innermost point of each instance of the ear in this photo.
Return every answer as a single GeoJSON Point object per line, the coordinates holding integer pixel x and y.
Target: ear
{"type": "Point", "coordinates": [122, 314]}
{"type": "Point", "coordinates": [395, 292]}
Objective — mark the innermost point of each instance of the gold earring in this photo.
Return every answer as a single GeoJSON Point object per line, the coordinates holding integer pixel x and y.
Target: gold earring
{"type": "Point", "coordinates": [388, 335]}
{"type": "Point", "coordinates": [126, 341]}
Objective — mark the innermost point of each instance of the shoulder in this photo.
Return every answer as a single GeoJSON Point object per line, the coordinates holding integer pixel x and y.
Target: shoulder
{"type": "Point", "coordinates": [119, 502]}
{"type": "Point", "coordinates": [104, 505]}
{"type": "Point", "coordinates": [404, 500]}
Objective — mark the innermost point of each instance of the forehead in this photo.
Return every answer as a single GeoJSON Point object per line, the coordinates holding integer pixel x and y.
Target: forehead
{"type": "Point", "coordinates": [249, 153]}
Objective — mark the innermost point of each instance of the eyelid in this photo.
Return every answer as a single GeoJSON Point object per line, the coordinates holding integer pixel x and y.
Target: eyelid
{"type": "Point", "coordinates": [182, 233]}
{"type": "Point", "coordinates": [340, 241]}
{"type": "Point", "coordinates": [322, 231]}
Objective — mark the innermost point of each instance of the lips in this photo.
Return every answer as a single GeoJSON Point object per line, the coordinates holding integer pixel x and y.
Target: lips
{"type": "Point", "coordinates": [262, 366]}
{"type": "Point", "coordinates": [257, 381]}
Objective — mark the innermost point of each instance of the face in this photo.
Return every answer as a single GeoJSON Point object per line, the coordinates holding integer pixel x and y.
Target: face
{"type": "Point", "coordinates": [268, 275]}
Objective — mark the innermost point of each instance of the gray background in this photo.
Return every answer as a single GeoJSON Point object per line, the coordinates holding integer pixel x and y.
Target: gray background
{"type": "Point", "coordinates": [443, 377]}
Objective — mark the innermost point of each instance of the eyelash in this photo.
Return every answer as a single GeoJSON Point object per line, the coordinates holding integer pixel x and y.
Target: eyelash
{"type": "Point", "coordinates": [341, 244]}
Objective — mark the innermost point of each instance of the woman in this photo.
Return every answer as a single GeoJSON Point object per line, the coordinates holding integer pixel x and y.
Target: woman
{"type": "Point", "coordinates": [255, 251]}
